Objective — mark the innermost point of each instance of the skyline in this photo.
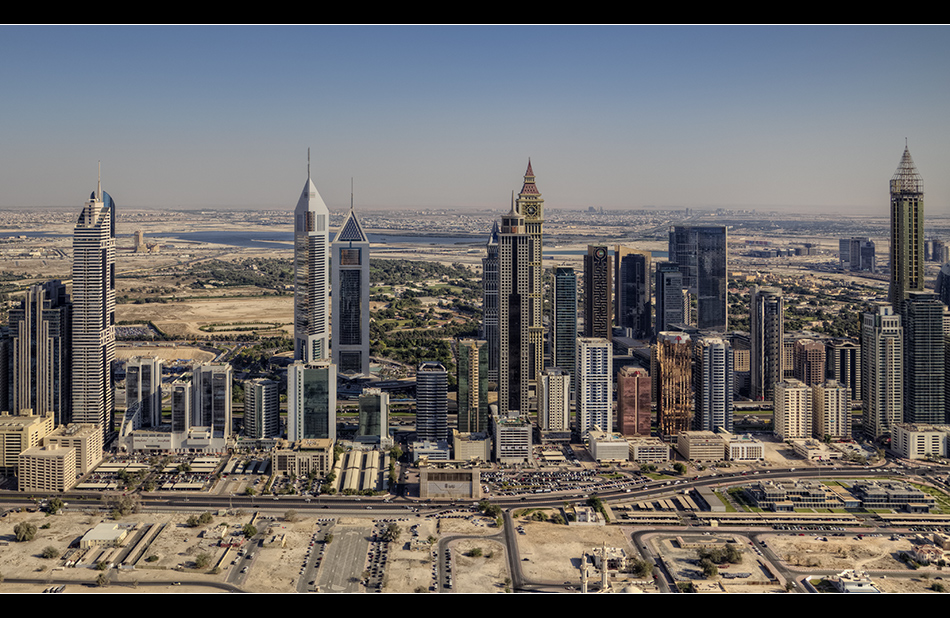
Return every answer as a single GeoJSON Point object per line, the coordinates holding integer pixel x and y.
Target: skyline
{"type": "Point", "coordinates": [619, 117]}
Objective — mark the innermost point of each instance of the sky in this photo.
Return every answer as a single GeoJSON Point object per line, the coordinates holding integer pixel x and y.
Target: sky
{"type": "Point", "coordinates": [804, 118]}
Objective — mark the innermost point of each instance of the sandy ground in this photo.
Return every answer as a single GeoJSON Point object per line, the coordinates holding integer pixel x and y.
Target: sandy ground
{"type": "Point", "coordinates": [169, 353]}
{"type": "Point", "coordinates": [184, 318]}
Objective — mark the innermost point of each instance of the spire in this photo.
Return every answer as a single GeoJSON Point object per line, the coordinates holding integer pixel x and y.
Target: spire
{"type": "Point", "coordinates": [906, 179]}
{"type": "Point", "coordinates": [493, 236]}
{"type": "Point", "coordinates": [99, 184]}
{"type": "Point", "coordinates": [529, 187]}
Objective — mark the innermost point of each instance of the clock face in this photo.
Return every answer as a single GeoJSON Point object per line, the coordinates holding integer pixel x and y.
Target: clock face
{"type": "Point", "coordinates": [600, 253]}
{"type": "Point", "coordinates": [531, 210]}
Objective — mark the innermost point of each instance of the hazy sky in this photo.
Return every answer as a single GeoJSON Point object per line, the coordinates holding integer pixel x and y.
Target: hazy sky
{"type": "Point", "coordinates": [430, 116]}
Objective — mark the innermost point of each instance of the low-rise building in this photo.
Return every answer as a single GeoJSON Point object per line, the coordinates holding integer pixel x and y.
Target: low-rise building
{"type": "Point", "coordinates": [700, 446]}
{"type": "Point", "coordinates": [47, 468]}
{"type": "Point", "coordinates": [648, 450]}
{"type": "Point", "coordinates": [512, 439]}
{"type": "Point", "coordinates": [606, 446]}
{"type": "Point", "coordinates": [919, 440]}
{"type": "Point", "coordinates": [304, 456]}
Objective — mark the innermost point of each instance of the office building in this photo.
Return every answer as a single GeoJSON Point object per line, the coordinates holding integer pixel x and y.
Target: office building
{"type": "Point", "coordinates": [831, 411]}
{"type": "Point", "coordinates": [793, 415]}
{"type": "Point", "coordinates": [594, 392]}
{"type": "Point", "coordinates": [432, 412]}
{"type": "Point", "coordinates": [211, 398]}
{"type": "Point", "coordinates": [19, 432]}
{"type": "Point", "coordinates": [530, 205]}
{"type": "Point", "coordinates": [47, 468]}
{"type": "Point", "coordinates": [634, 412]}
{"type": "Point", "coordinates": [143, 384]}
{"type": "Point", "coordinates": [634, 311]}
{"type": "Point", "coordinates": [564, 311]}
{"type": "Point", "coordinates": [701, 253]}
{"type": "Point", "coordinates": [473, 386]}
{"type": "Point", "coordinates": [490, 331]}
{"type": "Point", "coordinates": [857, 254]}
{"type": "Point", "coordinates": [515, 285]}
{"type": "Point", "coordinates": [311, 275]}
{"type": "Point", "coordinates": [512, 439]}
{"type": "Point", "coordinates": [84, 438]}
{"type": "Point", "coordinates": [767, 321]}
{"type": "Point", "coordinates": [907, 232]}
{"type": "Point", "coordinates": [40, 353]}
{"type": "Point", "coordinates": [882, 370]}
{"type": "Point", "coordinates": [373, 424]}
{"type": "Point", "coordinates": [843, 365]}
{"type": "Point", "coordinates": [714, 382]}
{"type": "Point", "coordinates": [671, 301]}
{"type": "Point", "coordinates": [261, 409]}
{"type": "Point", "coordinates": [93, 297]}
{"type": "Point", "coordinates": [311, 401]}
{"type": "Point", "coordinates": [181, 406]}
{"type": "Point", "coordinates": [924, 370]}
{"type": "Point", "coordinates": [671, 371]}
{"type": "Point", "coordinates": [554, 411]}
{"type": "Point", "coordinates": [350, 279]}
{"type": "Point", "coordinates": [598, 305]}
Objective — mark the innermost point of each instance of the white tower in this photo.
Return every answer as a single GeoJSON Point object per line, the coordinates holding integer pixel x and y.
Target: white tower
{"type": "Point", "coordinates": [311, 275]}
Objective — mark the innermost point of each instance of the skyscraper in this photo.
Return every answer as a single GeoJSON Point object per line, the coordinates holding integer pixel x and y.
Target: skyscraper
{"type": "Point", "coordinates": [350, 270]}
{"type": "Point", "coordinates": [554, 411]}
{"type": "Point", "coordinates": [714, 380]}
{"type": "Point", "coordinates": [809, 358]}
{"type": "Point", "coordinates": [40, 353]}
{"type": "Point", "coordinates": [793, 416]}
{"type": "Point", "coordinates": [907, 232]}
{"type": "Point", "coordinates": [530, 205]}
{"type": "Point", "coordinates": [564, 332]}
{"type": "Point", "coordinates": [473, 386]}
{"type": "Point", "coordinates": [598, 308]}
{"type": "Point", "coordinates": [882, 370]}
{"type": "Point", "coordinates": [211, 398]}
{"type": "Point", "coordinates": [831, 410]}
{"type": "Point", "coordinates": [181, 406]}
{"type": "Point", "coordinates": [432, 412]}
{"type": "Point", "coordinates": [767, 321]}
{"type": "Point", "coordinates": [672, 381]}
{"type": "Point", "coordinates": [490, 302]}
{"type": "Point", "coordinates": [595, 378]}
{"type": "Point", "coordinates": [702, 255]}
{"type": "Point", "coordinates": [632, 291]}
{"type": "Point", "coordinates": [923, 359]}
{"type": "Point", "coordinates": [311, 401]}
{"type": "Point", "coordinates": [373, 423]}
{"type": "Point", "coordinates": [143, 384]}
{"type": "Point", "coordinates": [670, 299]}
{"type": "Point", "coordinates": [843, 364]}
{"type": "Point", "coordinates": [515, 282]}
{"type": "Point", "coordinates": [93, 296]}
{"type": "Point", "coordinates": [311, 275]}
{"type": "Point", "coordinates": [634, 413]}
{"type": "Point", "coordinates": [261, 409]}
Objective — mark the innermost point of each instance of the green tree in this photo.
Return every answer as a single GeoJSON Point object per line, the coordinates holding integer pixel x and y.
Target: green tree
{"type": "Point", "coordinates": [102, 580]}
{"type": "Point", "coordinates": [54, 505]}
{"type": "Point", "coordinates": [50, 552]}
{"type": "Point", "coordinates": [202, 561]}
{"type": "Point", "coordinates": [249, 530]}
{"type": "Point", "coordinates": [392, 532]}
{"type": "Point", "coordinates": [25, 531]}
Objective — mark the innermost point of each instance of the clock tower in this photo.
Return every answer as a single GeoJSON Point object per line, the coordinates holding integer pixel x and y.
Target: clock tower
{"type": "Point", "coordinates": [530, 205]}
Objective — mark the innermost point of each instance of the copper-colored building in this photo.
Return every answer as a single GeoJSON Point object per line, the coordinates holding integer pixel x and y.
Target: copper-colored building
{"type": "Point", "coordinates": [672, 373]}
{"type": "Point", "coordinates": [634, 415]}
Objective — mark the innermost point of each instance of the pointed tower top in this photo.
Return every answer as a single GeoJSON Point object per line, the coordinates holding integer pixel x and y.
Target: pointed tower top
{"type": "Point", "coordinates": [906, 179]}
{"type": "Point", "coordinates": [310, 199]}
{"type": "Point", "coordinates": [493, 236]}
{"type": "Point", "coordinates": [351, 230]}
{"type": "Point", "coordinates": [529, 187]}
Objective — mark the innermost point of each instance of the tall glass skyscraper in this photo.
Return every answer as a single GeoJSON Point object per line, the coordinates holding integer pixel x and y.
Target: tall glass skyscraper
{"type": "Point", "coordinates": [515, 282]}
{"type": "Point", "coordinates": [907, 232]}
{"type": "Point", "coordinates": [882, 370]}
{"type": "Point", "coordinates": [93, 296]}
{"type": "Point", "coordinates": [311, 401]}
{"type": "Point", "coordinates": [598, 305]}
{"type": "Point", "coordinates": [701, 254]}
{"type": "Point", "coordinates": [473, 386]}
{"type": "Point", "coordinates": [311, 275]}
{"type": "Point", "coordinates": [564, 333]}
{"type": "Point", "coordinates": [350, 270]}
{"type": "Point", "coordinates": [490, 302]}
{"type": "Point", "coordinates": [632, 291]}
{"type": "Point", "coordinates": [432, 412]}
{"type": "Point", "coordinates": [767, 322]}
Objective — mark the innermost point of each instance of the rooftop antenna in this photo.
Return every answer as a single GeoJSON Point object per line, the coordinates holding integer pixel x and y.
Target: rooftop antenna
{"type": "Point", "coordinates": [308, 164]}
{"type": "Point", "coordinates": [99, 184]}
{"type": "Point", "coordinates": [351, 193]}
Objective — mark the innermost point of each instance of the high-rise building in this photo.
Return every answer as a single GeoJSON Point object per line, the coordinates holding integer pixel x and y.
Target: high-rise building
{"type": "Point", "coordinates": [530, 205]}
{"type": "Point", "coordinates": [350, 279]}
{"type": "Point", "coordinates": [432, 411]}
{"type": "Point", "coordinates": [857, 254]}
{"type": "Point", "coordinates": [181, 406]}
{"type": "Point", "coordinates": [632, 292]}
{"type": "Point", "coordinates": [373, 416]}
{"type": "Point", "coordinates": [311, 401]}
{"type": "Point", "coordinates": [564, 310]}
{"type": "Point", "coordinates": [594, 392]}
{"type": "Point", "coordinates": [40, 360]}
{"type": "Point", "coordinates": [792, 415]}
{"type": "Point", "coordinates": [143, 384]}
{"type": "Point", "coordinates": [211, 398]}
{"type": "Point", "coordinates": [714, 381]}
{"type": "Point", "coordinates": [93, 296]}
{"type": "Point", "coordinates": [670, 299]}
{"type": "Point", "coordinates": [515, 285]}
{"type": "Point", "coordinates": [634, 413]}
{"type": "Point", "coordinates": [671, 370]}
{"type": "Point", "coordinates": [261, 409]}
{"type": "Point", "coordinates": [490, 302]}
{"type": "Point", "coordinates": [843, 364]}
{"type": "Point", "coordinates": [882, 370]}
{"type": "Point", "coordinates": [809, 358]}
{"type": "Point", "coordinates": [311, 275]}
{"type": "Point", "coordinates": [907, 232]}
{"type": "Point", "coordinates": [701, 253]}
{"type": "Point", "coordinates": [831, 410]}
{"type": "Point", "coordinates": [598, 308]}
{"type": "Point", "coordinates": [554, 411]}
{"type": "Point", "coordinates": [767, 322]}
{"type": "Point", "coordinates": [923, 359]}
{"type": "Point", "coordinates": [473, 415]}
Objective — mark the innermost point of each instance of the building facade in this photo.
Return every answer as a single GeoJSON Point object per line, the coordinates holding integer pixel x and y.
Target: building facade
{"type": "Point", "coordinates": [701, 253]}
{"type": "Point", "coordinates": [211, 398]}
{"type": "Point", "coordinates": [143, 384]}
{"type": "Point", "coordinates": [530, 205]}
{"type": "Point", "coordinates": [907, 232]}
{"type": "Point", "coordinates": [714, 381]}
{"type": "Point", "coordinates": [634, 412]}
{"type": "Point", "coordinates": [672, 381]}
{"type": "Point", "coordinates": [924, 370]}
{"type": "Point", "coordinates": [350, 281]}
{"type": "Point", "coordinates": [311, 401]}
{"type": "Point", "coordinates": [261, 409]}
{"type": "Point", "coordinates": [564, 311]}
{"type": "Point", "coordinates": [793, 414]}
{"type": "Point", "coordinates": [473, 416]}
{"type": "Point", "coordinates": [634, 311]}
{"type": "Point", "coordinates": [598, 304]}
{"type": "Point", "coordinates": [311, 275]}
{"type": "Point", "coordinates": [490, 306]}
{"type": "Point", "coordinates": [516, 281]}
{"type": "Point", "coordinates": [594, 392]}
{"type": "Point", "coordinates": [432, 411]}
{"type": "Point", "coordinates": [882, 370]}
{"type": "Point", "coordinates": [767, 322]}
{"type": "Point", "coordinates": [671, 301]}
